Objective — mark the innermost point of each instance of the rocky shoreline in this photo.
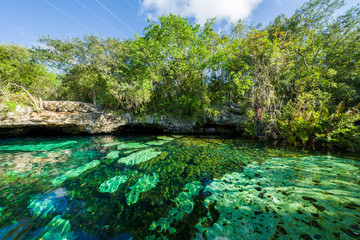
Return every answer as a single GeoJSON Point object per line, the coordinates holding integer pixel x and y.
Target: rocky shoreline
{"type": "Point", "coordinates": [70, 117]}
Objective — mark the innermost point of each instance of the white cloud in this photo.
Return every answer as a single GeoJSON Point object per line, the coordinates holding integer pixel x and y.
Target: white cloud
{"type": "Point", "coordinates": [224, 10]}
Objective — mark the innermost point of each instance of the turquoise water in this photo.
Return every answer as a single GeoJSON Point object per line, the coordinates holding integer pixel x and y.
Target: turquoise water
{"type": "Point", "coordinates": [174, 187]}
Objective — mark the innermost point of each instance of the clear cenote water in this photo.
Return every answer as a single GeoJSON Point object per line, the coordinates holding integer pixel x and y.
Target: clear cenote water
{"type": "Point", "coordinates": [174, 187]}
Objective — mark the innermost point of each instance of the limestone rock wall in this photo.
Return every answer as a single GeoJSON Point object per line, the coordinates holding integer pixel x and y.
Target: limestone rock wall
{"type": "Point", "coordinates": [64, 116]}
{"type": "Point", "coordinates": [78, 117]}
{"type": "Point", "coordinates": [69, 106]}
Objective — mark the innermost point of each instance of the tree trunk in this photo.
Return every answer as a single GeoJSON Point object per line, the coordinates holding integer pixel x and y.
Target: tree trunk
{"type": "Point", "coordinates": [258, 118]}
{"type": "Point", "coordinates": [94, 97]}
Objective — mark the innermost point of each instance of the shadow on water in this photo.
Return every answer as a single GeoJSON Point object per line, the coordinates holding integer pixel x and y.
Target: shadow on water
{"type": "Point", "coordinates": [174, 187]}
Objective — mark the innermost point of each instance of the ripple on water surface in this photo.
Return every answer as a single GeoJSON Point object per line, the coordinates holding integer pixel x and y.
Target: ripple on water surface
{"type": "Point", "coordinates": [174, 187]}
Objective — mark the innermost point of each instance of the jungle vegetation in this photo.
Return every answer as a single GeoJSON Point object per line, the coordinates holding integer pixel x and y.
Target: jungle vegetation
{"type": "Point", "coordinates": [297, 79]}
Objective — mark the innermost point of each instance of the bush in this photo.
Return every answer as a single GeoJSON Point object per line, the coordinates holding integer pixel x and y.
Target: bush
{"type": "Point", "coordinates": [304, 125]}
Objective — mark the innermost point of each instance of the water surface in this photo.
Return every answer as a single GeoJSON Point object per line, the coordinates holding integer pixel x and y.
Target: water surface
{"type": "Point", "coordinates": [174, 187]}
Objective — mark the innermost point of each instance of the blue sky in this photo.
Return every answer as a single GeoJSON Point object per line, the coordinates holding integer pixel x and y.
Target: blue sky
{"type": "Point", "coordinates": [24, 21]}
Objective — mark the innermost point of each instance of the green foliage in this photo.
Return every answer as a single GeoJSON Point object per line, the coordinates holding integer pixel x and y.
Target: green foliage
{"type": "Point", "coordinates": [189, 72]}
{"type": "Point", "coordinates": [302, 124]}
{"type": "Point", "coordinates": [180, 52]}
{"type": "Point", "coordinates": [17, 66]}
{"type": "Point", "coordinates": [19, 72]}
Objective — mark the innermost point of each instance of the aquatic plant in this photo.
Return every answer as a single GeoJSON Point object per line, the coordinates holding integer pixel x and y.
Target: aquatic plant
{"type": "Point", "coordinates": [153, 237]}
{"type": "Point", "coordinates": [184, 205]}
{"type": "Point", "coordinates": [244, 193]}
{"type": "Point", "coordinates": [273, 200]}
{"type": "Point", "coordinates": [113, 184]}
{"type": "Point", "coordinates": [145, 183]}
{"type": "Point", "coordinates": [74, 173]}
{"type": "Point", "coordinates": [139, 157]}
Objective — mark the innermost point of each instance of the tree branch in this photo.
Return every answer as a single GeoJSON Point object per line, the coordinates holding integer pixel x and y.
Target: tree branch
{"type": "Point", "coordinates": [302, 55]}
{"type": "Point", "coordinates": [34, 101]}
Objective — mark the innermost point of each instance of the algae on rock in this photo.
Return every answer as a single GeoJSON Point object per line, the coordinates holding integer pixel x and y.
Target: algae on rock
{"type": "Point", "coordinates": [145, 183]}
{"type": "Point", "coordinates": [139, 157]}
{"type": "Point", "coordinates": [58, 228]}
{"type": "Point", "coordinates": [43, 205]}
{"type": "Point", "coordinates": [157, 143]}
{"type": "Point", "coordinates": [184, 204]}
{"type": "Point", "coordinates": [36, 147]}
{"type": "Point", "coordinates": [113, 154]}
{"type": "Point", "coordinates": [166, 138]}
{"type": "Point", "coordinates": [113, 184]}
{"type": "Point", "coordinates": [113, 144]}
{"type": "Point", "coordinates": [74, 173]}
{"type": "Point", "coordinates": [132, 145]}
{"type": "Point", "coordinates": [41, 208]}
{"type": "Point", "coordinates": [273, 200]}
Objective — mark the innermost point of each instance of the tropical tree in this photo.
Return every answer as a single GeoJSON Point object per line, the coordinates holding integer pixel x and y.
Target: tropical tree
{"type": "Point", "coordinates": [179, 56]}
{"type": "Point", "coordinates": [22, 79]}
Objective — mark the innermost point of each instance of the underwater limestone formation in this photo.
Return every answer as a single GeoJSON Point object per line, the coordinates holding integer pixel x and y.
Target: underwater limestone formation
{"type": "Point", "coordinates": [286, 198]}
{"type": "Point", "coordinates": [113, 184]}
{"type": "Point", "coordinates": [74, 173]}
{"type": "Point", "coordinates": [36, 147]}
{"type": "Point", "coordinates": [113, 144]}
{"type": "Point", "coordinates": [131, 145]}
{"type": "Point", "coordinates": [184, 204]}
{"type": "Point", "coordinates": [157, 143]}
{"type": "Point", "coordinates": [166, 138]}
{"type": "Point", "coordinates": [145, 183]}
{"type": "Point", "coordinates": [130, 151]}
{"type": "Point", "coordinates": [41, 208]}
{"type": "Point", "coordinates": [55, 201]}
{"type": "Point", "coordinates": [58, 228]}
{"type": "Point", "coordinates": [113, 154]}
{"type": "Point", "coordinates": [177, 136]}
{"type": "Point", "coordinates": [139, 157]}
{"type": "Point", "coordinates": [196, 142]}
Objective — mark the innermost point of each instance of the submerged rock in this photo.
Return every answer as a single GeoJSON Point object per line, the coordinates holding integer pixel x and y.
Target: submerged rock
{"type": "Point", "coordinates": [131, 146]}
{"type": "Point", "coordinates": [113, 184]}
{"type": "Point", "coordinates": [145, 183]}
{"type": "Point", "coordinates": [74, 173]}
{"type": "Point", "coordinates": [55, 201]}
{"type": "Point", "coordinates": [166, 138]}
{"type": "Point", "coordinates": [113, 144]}
{"type": "Point", "coordinates": [113, 154]}
{"type": "Point", "coordinates": [58, 228]}
{"type": "Point", "coordinates": [184, 205]}
{"type": "Point", "coordinates": [36, 147]}
{"type": "Point", "coordinates": [274, 200]}
{"type": "Point", "coordinates": [139, 157]}
{"type": "Point", "coordinates": [157, 143]}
